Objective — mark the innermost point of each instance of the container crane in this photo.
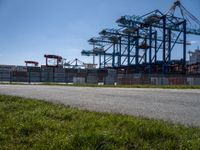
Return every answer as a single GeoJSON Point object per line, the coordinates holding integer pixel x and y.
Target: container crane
{"type": "Point", "coordinates": [146, 41]}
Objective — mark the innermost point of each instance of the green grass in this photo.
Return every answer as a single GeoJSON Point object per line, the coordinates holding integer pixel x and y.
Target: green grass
{"type": "Point", "coordinates": [118, 86]}
{"type": "Point", "coordinates": [32, 124]}
{"type": "Point", "coordinates": [130, 86]}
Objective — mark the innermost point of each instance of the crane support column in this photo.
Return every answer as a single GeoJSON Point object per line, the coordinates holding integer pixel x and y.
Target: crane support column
{"type": "Point", "coordinates": [113, 56]}
{"type": "Point", "coordinates": [99, 60]}
{"type": "Point", "coordinates": [120, 52]}
{"type": "Point", "coordinates": [129, 48]}
{"type": "Point", "coordinates": [169, 48]}
{"type": "Point", "coordinates": [184, 45]}
{"type": "Point", "coordinates": [164, 43]}
{"type": "Point", "coordinates": [150, 48]}
{"type": "Point", "coordinates": [104, 59]}
{"type": "Point", "coordinates": [155, 52]}
{"type": "Point", "coordinates": [145, 54]}
{"type": "Point", "coordinates": [137, 49]}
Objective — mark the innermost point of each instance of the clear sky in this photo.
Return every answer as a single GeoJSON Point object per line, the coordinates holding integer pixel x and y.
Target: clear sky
{"type": "Point", "coordinates": [31, 28]}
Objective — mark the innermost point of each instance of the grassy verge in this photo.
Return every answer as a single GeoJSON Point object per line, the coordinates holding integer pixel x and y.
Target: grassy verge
{"type": "Point", "coordinates": [32, 124]}
{"type": "Point", "coordinates": [130, 86]}
{"type": "Point", "coordinates": [116, 86]}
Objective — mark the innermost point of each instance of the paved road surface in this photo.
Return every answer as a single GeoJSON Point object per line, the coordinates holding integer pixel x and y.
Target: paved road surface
{"type": "Point", "coordinates": [179, 106]}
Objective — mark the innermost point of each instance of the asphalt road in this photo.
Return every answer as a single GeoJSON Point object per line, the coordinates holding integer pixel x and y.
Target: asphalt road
{"type": "Point", "coordinates": [178, 106]}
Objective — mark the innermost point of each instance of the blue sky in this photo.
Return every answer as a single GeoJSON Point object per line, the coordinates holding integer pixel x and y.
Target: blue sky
{"type": "Point", "coordinates": [31, 28]}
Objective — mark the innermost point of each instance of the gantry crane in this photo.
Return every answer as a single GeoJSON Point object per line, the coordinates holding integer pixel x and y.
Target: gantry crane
{"type": "Point", "coordinates": [53, 60]}
{"type": "Point", "coordinates": [31, 63]}
{"type": "Point", "coordinates": [146, 41]}
{"type": "Point", "coordinates": [76, 63]}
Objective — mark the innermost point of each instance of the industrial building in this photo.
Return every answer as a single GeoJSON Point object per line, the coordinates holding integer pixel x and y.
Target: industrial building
{"type": "Point", "coordinates": [194, 57]}
{"type": "Point", "coordinates": [140, 51]}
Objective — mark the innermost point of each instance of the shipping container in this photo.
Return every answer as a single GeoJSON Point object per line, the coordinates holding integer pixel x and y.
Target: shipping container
{"type": "Point", "coordinates": [78, 80]}
{"type": "Point", "coordinates": [92, 79]}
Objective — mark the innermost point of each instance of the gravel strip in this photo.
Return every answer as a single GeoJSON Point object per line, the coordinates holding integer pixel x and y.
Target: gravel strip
{"type": "Point", "coordinates": [178, 106]}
